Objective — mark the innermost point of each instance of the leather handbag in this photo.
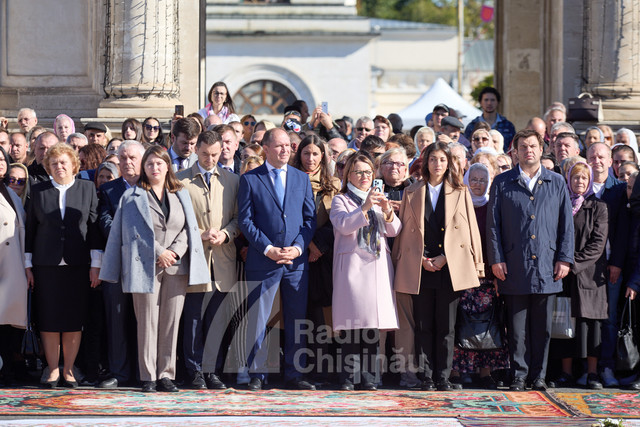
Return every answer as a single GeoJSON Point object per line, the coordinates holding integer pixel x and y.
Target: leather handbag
{"type": "Point", "coordinates": [585, 108]}
{"type": "Point", "coordinates": [30, 342]}
{"type": "Point", "coordinates": [480, 331]}
{"type": "Point", "coordinates": [563, 325]}
{"type": "Point", "coordinates": [627, 355]}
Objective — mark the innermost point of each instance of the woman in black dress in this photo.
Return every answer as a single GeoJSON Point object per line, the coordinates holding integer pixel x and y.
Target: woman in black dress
{"type": "Point", "coordinates": [63, 257]}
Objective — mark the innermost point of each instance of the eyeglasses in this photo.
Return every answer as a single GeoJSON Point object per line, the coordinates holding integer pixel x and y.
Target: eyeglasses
{"type": "Point", "coordinates": [248, 123]}
{"type": "Point", "coordinates": [18, 181]}
{"type": "Point", "coordinates": [364, 129]}
{"type": "Point", "coordinates": [392, 164]}
{"type": "Point", "coordinates": [477, 181]}
{"type": "Point", "coordinates": [361, 173]}
{"type": "Point", "coordinates": [477, 139]}
{"type": "Point", "coordinates": [152, 128]}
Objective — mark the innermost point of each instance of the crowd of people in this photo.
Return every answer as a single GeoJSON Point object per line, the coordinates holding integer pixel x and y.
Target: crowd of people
{"type": "Point", "coordinates": [225, 249]}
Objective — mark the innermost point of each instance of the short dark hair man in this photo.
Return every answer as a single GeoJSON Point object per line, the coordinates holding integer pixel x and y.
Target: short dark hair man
{"type": "Point", "coordinates": [184, 135]}
{"type": "Point", "coordinates": [489, 100]}
{"type": "Point", "coordinates": [530, 247]}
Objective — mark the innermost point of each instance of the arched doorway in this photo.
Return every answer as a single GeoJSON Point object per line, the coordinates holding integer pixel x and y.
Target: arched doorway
{"type": "Point", "coordinates": [263, 97]}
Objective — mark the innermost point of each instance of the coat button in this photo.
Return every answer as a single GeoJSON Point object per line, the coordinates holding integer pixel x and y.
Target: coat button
{"type": "Point", "coordinates": [7, 243]}
{"type": "Point", "coordinates": [462, 245]}
{"type": "Point", "coordinates": [533, 217]}
{"type": "Point", "coordinates": [6, 223]}
{"type": "Point", "coordinates": [137, 258]}
{"type": "Point", "coordinates": [531, 198]}
{"type": "Point", "coordinates": [442, 229]}
{"type": "Point", "coordinates": [540, 181]}
{"type": "Point", "coordinates": [439, 245]}
{"type": "Point", "coordinates": [456, 227]}
{"type": "Point", "coordinates": [533, 257]}
{"type": "Point", "coordinates": [533, 236]}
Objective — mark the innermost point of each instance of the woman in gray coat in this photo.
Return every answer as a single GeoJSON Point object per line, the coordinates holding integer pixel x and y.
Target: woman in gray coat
{"type": "Point", "coordinates": [587, 281]}
{"type": "Point", "coordinates": [155, 249]}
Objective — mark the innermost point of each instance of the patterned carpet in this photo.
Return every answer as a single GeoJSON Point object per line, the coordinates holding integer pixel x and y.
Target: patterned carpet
{"type": "Point", "coordinates": [603, 404]}
{"type": "Point", "coordinates": [385, 403]}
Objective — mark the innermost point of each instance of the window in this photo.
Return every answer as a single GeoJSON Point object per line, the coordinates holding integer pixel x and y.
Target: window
{"type": "Point", "coordinates": [263, 97]}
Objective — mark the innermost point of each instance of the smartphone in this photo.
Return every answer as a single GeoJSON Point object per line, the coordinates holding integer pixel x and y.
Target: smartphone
{"type": "Point", "coordinates": [378, 185]}
{"type": "Point", "coordinates": [180, 110]}
{"type": "Point", "coordinates": [325, 107]}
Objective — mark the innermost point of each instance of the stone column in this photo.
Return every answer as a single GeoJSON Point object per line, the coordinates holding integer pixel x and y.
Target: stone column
{"type": "Point", "coordinates": [611, 57]}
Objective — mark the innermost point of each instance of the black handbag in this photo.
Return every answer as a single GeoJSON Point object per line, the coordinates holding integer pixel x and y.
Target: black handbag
{"type": "Point", "coordinates": [30, 342]}
{"type": "Point", "coordinates": [584, 108]}
{"type": "Point", "coordinates": [627, 355]}
{"type": "Point", "coordinates": [480, 331]}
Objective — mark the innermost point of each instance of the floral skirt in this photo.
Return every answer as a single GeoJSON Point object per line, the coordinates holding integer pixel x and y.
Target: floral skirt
{"type": "Point", "coordinates": [479, 300]}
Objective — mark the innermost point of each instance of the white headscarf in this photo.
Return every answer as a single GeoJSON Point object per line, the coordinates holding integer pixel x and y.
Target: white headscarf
{"type": "Point", "coordinates": [633, 142]}
{"type": "Point", "coordinates": [479, 201]}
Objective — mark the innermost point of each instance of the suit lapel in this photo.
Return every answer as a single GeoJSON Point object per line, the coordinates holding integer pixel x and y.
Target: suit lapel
{"type": "Point", "coordinates": [417, 199]}
{"type": "Point", "coordinates": [142, 203]}
{"type": "Point", "coordinates": [263, 175]}
{"type": "Point", "coordinates": [451, 200]}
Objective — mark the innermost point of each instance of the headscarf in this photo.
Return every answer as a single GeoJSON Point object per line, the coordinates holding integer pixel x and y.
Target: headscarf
{"type": "Point", "coordinates": [590, 128]}
{"type": "Point", "coordinates": [369, 237]}
{"type": "Point", "coordinates": [578, 199]}
{"type": "Point", "coordinates": [479, 201]}
{"type": "Point", "coordinates": [633, 141]}
{"type": "Point", "coordinates": [111, 167]}
{"type": "Point", "coordinates": [57, 120]}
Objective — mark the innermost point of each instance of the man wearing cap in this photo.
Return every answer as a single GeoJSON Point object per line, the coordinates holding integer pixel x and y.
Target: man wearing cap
{"type": "Point", "coordinates": [440, 111]}
{"type": "Point", "coordinates": [489, 100]}
{"type": "Point", "coordinates": [451, 131]}
{"type": "Point", "coordinates": [96, 133]}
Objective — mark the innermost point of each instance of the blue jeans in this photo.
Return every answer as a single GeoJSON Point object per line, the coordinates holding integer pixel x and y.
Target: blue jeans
{"type": "Point", "coordinates": [610, 325]}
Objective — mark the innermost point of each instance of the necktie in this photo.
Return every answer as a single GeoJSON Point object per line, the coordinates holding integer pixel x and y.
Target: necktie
{"type": "Point", "coordinates": [207, 178]}
{"type": "Point", "coordinates": [180, 163]}
{"type": "Point", "coordinates": [277, 184]}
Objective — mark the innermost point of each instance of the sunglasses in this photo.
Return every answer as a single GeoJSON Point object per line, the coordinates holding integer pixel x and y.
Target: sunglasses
{"type": "Point", "coordinates": [248, 123]}
{"type": "Point", "coordinates": [18, 181]}
{"type": "Point", "coordinates": [364, 129]}
{"type": "Point", "coordinates": [153, 128]}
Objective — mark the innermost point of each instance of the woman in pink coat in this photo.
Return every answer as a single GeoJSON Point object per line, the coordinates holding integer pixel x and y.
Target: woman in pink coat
{"type": "Point", "coordinates": [363, 297]}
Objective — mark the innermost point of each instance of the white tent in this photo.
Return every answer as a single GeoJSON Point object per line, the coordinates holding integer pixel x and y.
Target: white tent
{"type": "Point", "coordinates": [439, 93]}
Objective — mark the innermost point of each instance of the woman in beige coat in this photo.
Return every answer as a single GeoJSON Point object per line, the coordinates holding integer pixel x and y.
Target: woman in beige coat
{"type": "Point", "coordinates": [437, 253]}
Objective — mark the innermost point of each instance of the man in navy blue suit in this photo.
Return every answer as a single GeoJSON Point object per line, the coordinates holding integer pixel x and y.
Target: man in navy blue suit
{"type": "Point", "coordinates": [276, 213]}
{"type": "Point", "coordinates": [118, 305]}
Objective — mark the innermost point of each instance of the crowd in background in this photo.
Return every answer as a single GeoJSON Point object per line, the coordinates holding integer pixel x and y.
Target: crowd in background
{"type": "Point", "coordinates": [165, 257]}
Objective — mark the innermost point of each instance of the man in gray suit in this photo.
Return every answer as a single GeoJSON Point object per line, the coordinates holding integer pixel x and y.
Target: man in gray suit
{"type": "Point", "coordinates": [183, 143]}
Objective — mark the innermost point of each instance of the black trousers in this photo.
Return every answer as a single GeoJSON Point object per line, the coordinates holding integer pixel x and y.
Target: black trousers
{"type": "Point", "coordinates": [359, 352]}
{"type": "Point", "coordinates": [434, 313]}
{"type": "Point", "coordinates": [528, 333]}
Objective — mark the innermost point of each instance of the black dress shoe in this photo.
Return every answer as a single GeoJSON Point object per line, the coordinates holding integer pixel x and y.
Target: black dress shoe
{"type": "Point", "coordinates": [563, 381]}
{"type": "Point", "coordinates": [51, 384]}
{"type": "Point", "coordinates": [300, 384]}
{"type": "Point", "coordinates": [148, 386]}
{"type": "Point", "coordinates": [368, 386]}
{"type": "Point", "coordinates": [347, 386]}
{"type": "Point", "coordinates": [539, 384]}
{"type": "Point", "coordinates": [428, 385]}
{"type": "Point", "coordinates": [167, 386]}
{"type": "Point", "coordinates": [488, 383]}
{"type": "Point", "coordinates": [197, 382]}
{"type": "Point", "coordinates": [517, 385]}
{"type": "Point", "coordinates": [593, 382]}
{"type": "Point", "coordinates": [213, 382]}
{"type": "Point", "coordinates": [446, 385]}
{"type": "Point", "coordinates": [69, 384]}
{"type": "Point", "coordinates": [109, 383]}
{"type": "Point", "coordinates": [255, 384]}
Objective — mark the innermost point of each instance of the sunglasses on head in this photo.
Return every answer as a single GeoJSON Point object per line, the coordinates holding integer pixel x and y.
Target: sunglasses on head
{"type": "Point", "coordinates": [153, 128]}
{"type": "Point", "coordinates": [248, 123]}
{"type": "Point", "coordinates": [18, 181]}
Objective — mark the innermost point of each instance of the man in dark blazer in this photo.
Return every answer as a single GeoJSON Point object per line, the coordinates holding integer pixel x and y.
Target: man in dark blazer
{"type": "Point", "coordinates": [614, 193]}
{"type": "Point", "coordinates": [43, 142]}
{"type": "Point", "coordinates": [530, 247]}
{"type": "Point", "coordinates": [184, 135]}
{"type": "Point", "coordinates": [120, 320]}
{"type": "Point", "coordinates": [276, 213]}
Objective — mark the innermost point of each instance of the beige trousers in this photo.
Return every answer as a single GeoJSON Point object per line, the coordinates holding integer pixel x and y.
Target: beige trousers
{"type": "Point", "coordinates": [158, 317]}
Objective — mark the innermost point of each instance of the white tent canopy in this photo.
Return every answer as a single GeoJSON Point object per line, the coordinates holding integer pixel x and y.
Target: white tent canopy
{"type": "Point", "coordinates": [439, 93]}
